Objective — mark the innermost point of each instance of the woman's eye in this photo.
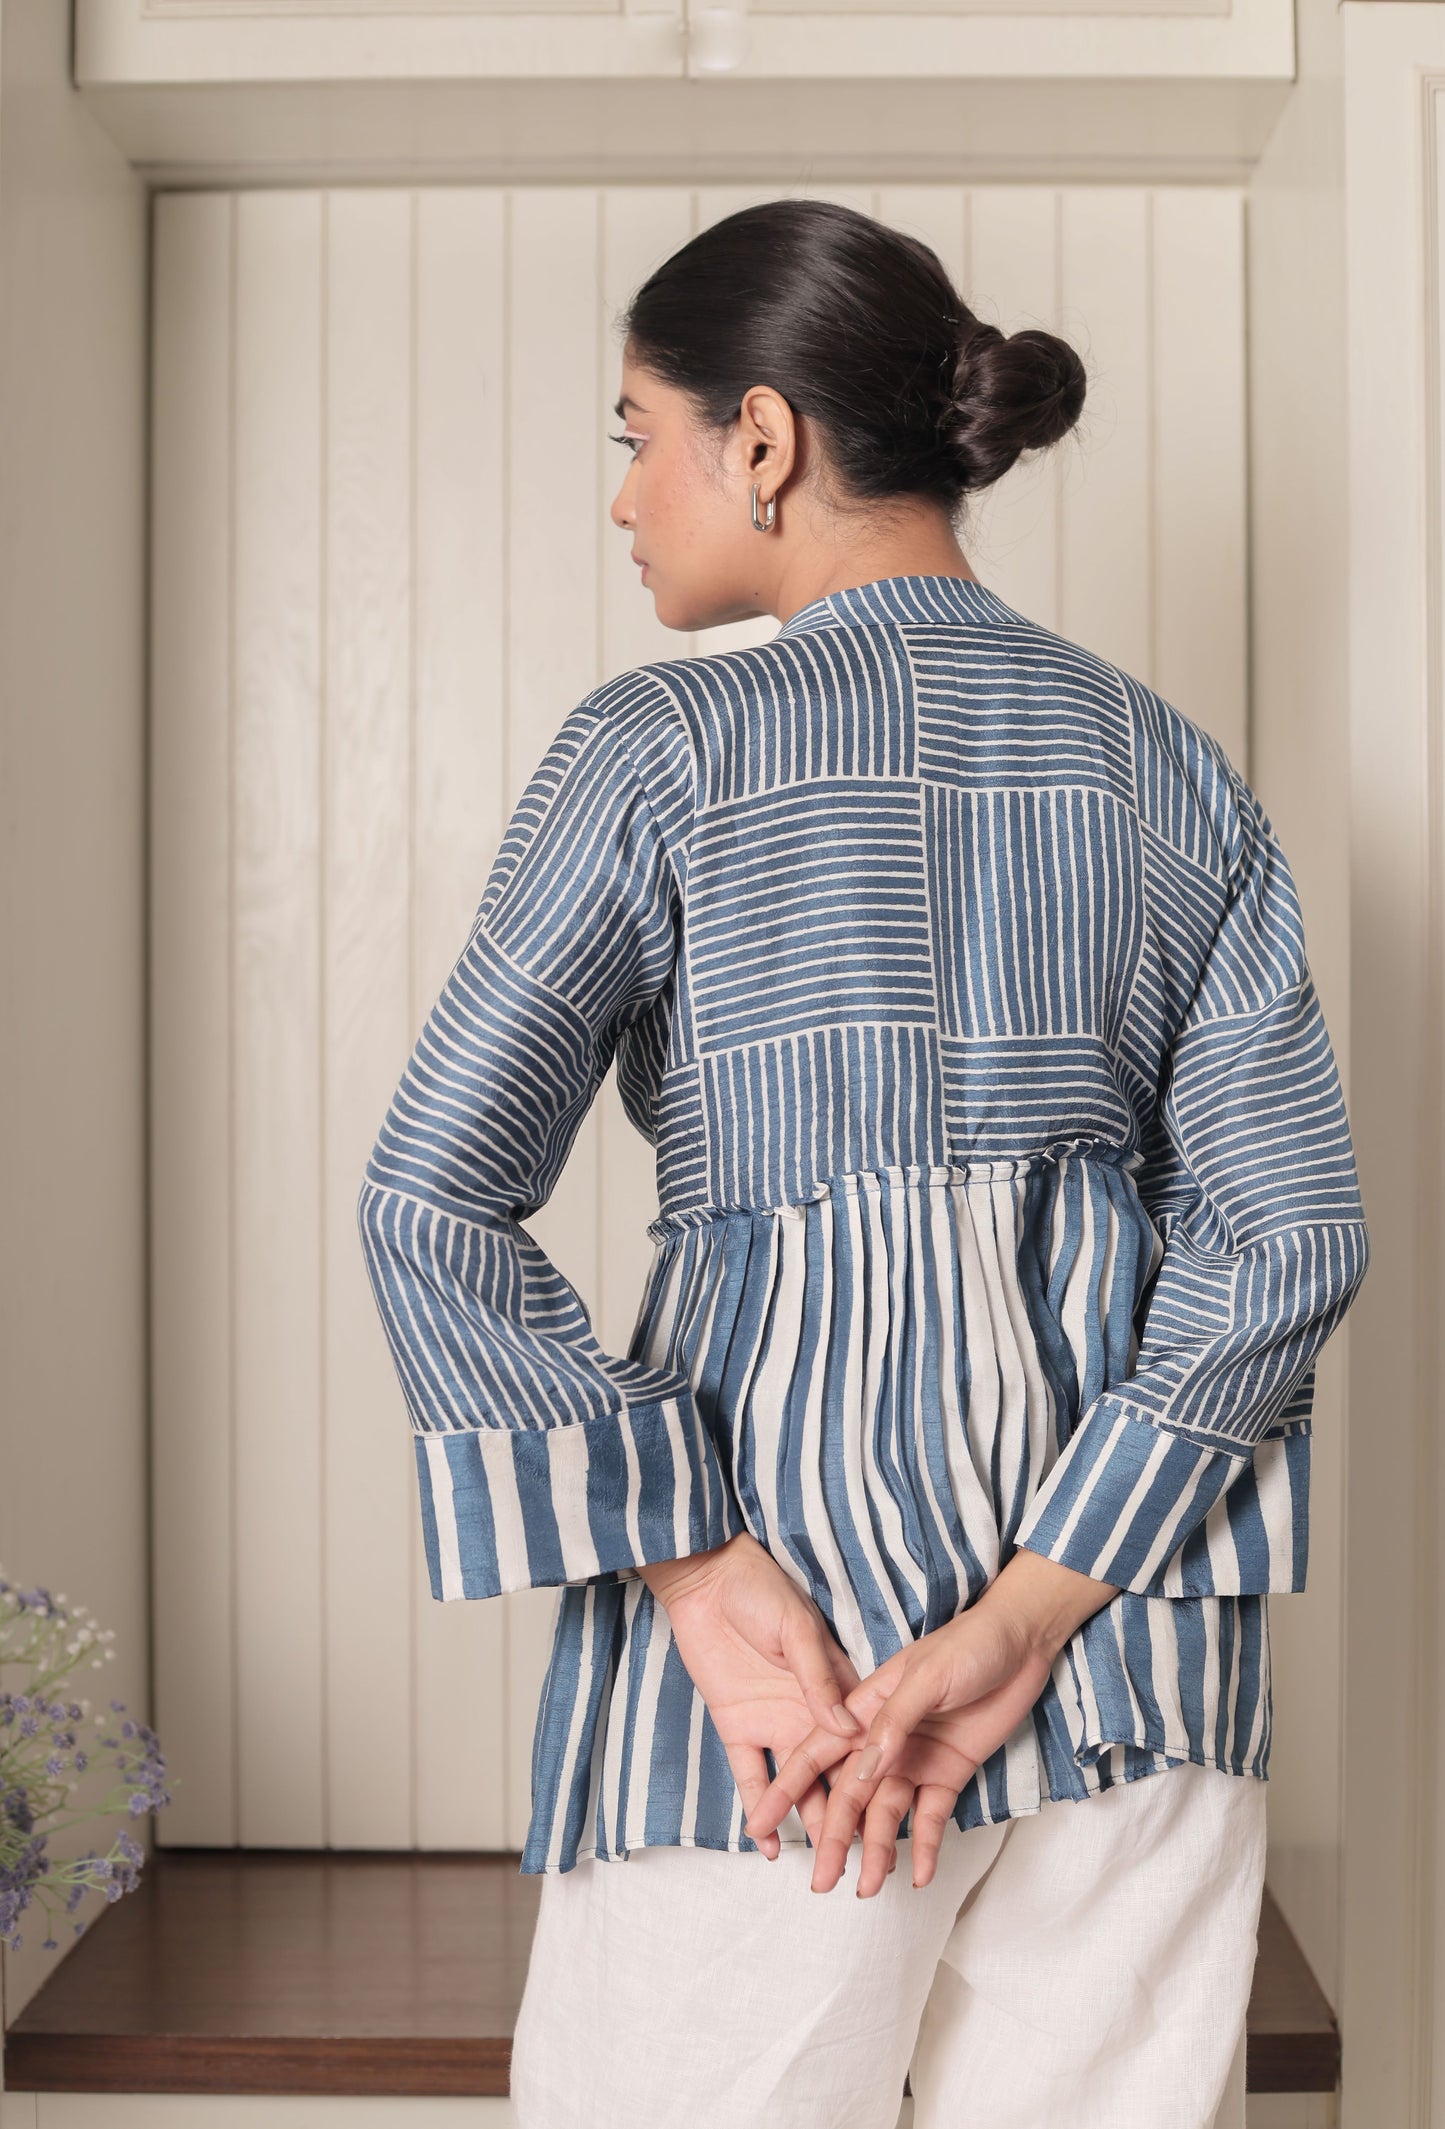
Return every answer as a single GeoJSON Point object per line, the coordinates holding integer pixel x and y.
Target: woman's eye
{"type": "Point", "coordinates": [626, 437]}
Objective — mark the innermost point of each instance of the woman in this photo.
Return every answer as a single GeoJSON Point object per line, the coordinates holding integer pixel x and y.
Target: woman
{"type": "Point", "coordinates": [1006, 1200]}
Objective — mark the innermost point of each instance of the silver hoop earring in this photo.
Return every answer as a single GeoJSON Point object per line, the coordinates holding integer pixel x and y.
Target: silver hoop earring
{"type": "Point", "coordinates": [764, 524]}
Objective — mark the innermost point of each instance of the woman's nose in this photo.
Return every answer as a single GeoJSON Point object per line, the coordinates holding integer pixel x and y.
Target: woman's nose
{"type": "Point", "coordinates": [621, 511]}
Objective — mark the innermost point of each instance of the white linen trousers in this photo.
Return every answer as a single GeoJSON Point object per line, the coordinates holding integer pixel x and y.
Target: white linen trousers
{"type": "Point", "coordinates": [1087, 1966]}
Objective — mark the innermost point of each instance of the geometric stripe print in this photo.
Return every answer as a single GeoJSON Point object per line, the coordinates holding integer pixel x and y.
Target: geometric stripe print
{"type": "Point", "coordinates": [1227, 1345]}
{"type": "Point", "coordinates": [1034, 1090]}
{"type": "Point", "coordinates": [802, 709]}
{"type": "Point", "coordinates": [513, 1495]}
{"type": "Point", "coordinates": [485, 1337]}
{"type": "Point", "coordinates": [576, 938]}
{"type": "Point", "coordinates": [1255, 1099]}
{"type": "Point", "coordinates": [587, 907]}
{"type": "Point", "coordinates": [539, 1455]}
{"type": "Point", "coordinates": [1006, 1194]}
{"type": "Point", "coordinates": [1266, 1244]}
{"type": "Point", "coordinates": [1038, 911]}
{"type": "Point", "coordinates": [808, 907]}
{"type": "Point", "coordinates": [778, 1115]}
{"type": "Point", "coordinates": [1227, 1340]}
{"type": "Point", "coordinates": [1255, 1107]}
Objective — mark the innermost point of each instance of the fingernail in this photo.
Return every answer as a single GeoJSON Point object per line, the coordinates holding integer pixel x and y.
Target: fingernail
{"type": "Point", "coordinates": [867, 1762]}
{"type": "Point", "coordinates": [844, 1717]}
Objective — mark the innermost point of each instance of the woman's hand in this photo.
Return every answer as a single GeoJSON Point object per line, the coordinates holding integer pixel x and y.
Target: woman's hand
{"type": "Point", "coordinates": [765, 1662]}
{"type": "Point", "coordinates": [935, 1712]}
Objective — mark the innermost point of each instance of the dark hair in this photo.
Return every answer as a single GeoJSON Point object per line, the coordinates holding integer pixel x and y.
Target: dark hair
{"type": "Point", "coordinates": [860, 328]}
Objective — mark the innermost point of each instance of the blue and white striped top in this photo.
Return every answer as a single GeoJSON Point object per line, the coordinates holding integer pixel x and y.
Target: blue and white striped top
{"type": "Point", "coordinates": [1006, 1195]}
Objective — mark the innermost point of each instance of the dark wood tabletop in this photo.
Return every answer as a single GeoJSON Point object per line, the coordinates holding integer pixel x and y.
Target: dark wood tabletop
{"type": "Point", "coordinates": [289, 1971]}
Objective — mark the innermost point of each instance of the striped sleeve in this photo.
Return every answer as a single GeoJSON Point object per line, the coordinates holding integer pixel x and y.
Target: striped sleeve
{"type": "Point", "coordinates": [1256, 1194]}
{"type": "Point", "coordinates": [542, 1458]}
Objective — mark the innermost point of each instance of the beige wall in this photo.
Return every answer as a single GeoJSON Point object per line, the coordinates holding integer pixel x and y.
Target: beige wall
{"type": "Point", "coordinates": [1299, 763]}
{"type": "Point", "coordinates": [72, 1266]}
{"type": "Point", "coordinates": [1392, 1989]}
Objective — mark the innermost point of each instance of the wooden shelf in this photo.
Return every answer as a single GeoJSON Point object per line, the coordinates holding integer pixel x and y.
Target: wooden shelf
{"type": "Point", "coordinates": [1294, 2043]}
{"type": "Point", "coordinates": [283, 1971]}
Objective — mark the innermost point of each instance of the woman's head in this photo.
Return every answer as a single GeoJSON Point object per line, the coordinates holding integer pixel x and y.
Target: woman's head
{"type": "Point", "coordinates": [828, 359]}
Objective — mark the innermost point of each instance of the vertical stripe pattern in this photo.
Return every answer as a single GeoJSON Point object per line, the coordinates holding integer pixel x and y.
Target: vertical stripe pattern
{"type": "Point", "coordinates": [893, 1365]}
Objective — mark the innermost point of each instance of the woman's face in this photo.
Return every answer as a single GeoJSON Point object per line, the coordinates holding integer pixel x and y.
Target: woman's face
{"type": "Point", "coordinates": [686, 500]}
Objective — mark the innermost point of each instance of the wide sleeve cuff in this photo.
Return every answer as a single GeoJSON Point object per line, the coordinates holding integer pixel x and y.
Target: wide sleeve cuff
{"type": "Point", "coordinates": [505, 1508]}
{"type": "Point", "coordinates": [1123, 1497]}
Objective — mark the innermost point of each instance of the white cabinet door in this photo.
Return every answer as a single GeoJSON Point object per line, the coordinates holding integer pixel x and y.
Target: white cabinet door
{"type": "Point", "coordinates": [173, 42]}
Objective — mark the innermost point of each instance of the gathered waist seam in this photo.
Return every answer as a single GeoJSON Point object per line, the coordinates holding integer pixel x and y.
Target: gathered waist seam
{"type": "Point", "coordinates": [931, 1175]}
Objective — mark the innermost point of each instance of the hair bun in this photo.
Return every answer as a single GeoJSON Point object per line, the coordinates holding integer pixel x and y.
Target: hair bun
{"type": "Point", "coordinates": [862, 330]}
{"type": "Point", "coordinates": [1012, 392]}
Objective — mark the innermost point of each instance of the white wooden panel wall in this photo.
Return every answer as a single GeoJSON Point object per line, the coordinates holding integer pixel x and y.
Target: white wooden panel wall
{"type": "Point", "coordinates": [383, 572]}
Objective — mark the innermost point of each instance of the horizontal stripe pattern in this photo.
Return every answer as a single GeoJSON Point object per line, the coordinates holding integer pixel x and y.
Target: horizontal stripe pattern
{"type": "Point", "coordinates": [1006, 1194]}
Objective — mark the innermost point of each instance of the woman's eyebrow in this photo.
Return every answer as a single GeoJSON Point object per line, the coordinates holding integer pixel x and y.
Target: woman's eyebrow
{"type": "Point", "coordinates": [620, 406]}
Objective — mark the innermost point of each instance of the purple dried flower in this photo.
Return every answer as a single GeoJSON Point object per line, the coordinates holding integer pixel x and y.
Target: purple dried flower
{"type": "Point", "coordinates": [45, 1639]}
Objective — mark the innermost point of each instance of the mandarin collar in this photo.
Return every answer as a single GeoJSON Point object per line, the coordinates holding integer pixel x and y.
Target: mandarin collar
{"type": "Point", "coordinates": [909, 598]}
